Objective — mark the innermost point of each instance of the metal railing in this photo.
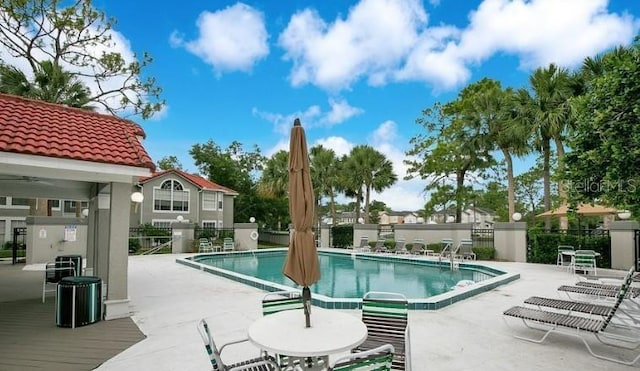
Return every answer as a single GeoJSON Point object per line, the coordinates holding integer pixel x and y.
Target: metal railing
{"type": "Point", "coordinates": [482, 237]}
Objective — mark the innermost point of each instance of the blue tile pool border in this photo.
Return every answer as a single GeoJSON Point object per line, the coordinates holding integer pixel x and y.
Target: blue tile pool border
{"type": "Point", "coordinates": [431, 303]}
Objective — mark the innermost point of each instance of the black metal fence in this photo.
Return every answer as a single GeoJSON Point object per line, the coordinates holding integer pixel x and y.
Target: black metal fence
{"type": "Point", "coordinates": [482, 237]}
{"type": "Point", "coordinates": [386, 232]}
{"type": "Point", "coordinates": [19, 245]}
{"type": "Point", "coordinates": [148, 236]}
{"type": "Point", "coordinates": [637, 250]}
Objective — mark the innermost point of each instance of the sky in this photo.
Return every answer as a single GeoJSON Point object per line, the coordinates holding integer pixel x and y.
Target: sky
{"type": "Point", "coordinates": [354, 72]}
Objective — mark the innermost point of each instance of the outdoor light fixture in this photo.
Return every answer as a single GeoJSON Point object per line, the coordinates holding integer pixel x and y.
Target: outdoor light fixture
{"type": "Point", "coordinates": [516, 216]}
{"type": "Point", "coordinates": [624, 214]}
{"type": "Point", "coordinates": [180, 218]}
{"type": "Point", "coordinates": [137, 197]}
{"type": "Point", "coordinates": [252, 220]}
{"type": "Point", "coordinates": [85, 212]}
{"type": "Point", "coordinates": [450, 219]}
{"type": "Point", "coordinates": [361, 220]}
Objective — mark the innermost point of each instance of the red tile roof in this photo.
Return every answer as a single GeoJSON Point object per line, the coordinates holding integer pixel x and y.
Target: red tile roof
{"type": "Point", "coordinates": [196, 180]}
{"type": "Point", "coordinates": [39, 128]}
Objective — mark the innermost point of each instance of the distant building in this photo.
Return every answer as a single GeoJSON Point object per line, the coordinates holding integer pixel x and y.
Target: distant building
{"type": "Point", "coordinates": [480, 218]}
{"type": "Point", "coordinates": [398, 217]}
{"type": "Point", "coordinates": [172, 193]}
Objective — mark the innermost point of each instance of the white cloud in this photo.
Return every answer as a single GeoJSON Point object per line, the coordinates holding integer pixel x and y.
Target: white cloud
{"type": "Point", "coordinates": [231, 39]}
{"type": "Point", "coordinates": [340, 111]}
{"type": "Point", "coordinates": [368, 43]}
{"type": "Point", "coordinates": [385, 40]}
{"type": "Point", "coordinates": [339, 145]}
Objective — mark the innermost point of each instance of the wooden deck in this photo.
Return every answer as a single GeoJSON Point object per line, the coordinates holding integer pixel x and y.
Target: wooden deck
{"type": "Point", "coordinates": [30, 339]}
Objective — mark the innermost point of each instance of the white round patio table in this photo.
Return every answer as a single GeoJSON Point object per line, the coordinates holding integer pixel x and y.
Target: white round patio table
{"type": "Point", "coordinates": [285, 333]}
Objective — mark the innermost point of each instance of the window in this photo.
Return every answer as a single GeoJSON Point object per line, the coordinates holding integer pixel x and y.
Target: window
{"type": "Point", "coordinates": [208, 201]}
{"type": "Point", "coordinates": [3, 201]}
{"type": "Point", "coordinates": [19, 201]}
{"type": "Point", "coordinates": [55, 204]}
{"type": "Point", "coordinates": [170, 196]}
{"type": "Point", "coordinates": [208, 224]}
{"type": "Point", "coordinates": [70, 206]}
{"type": "Point", "coordinates": [162, 223]}
{"type": "Point", "coordinates": [220, 197]}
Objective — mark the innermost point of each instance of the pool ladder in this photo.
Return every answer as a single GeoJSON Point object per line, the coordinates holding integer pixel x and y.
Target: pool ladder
{"type": "Point", "coordinates": [450, 250]}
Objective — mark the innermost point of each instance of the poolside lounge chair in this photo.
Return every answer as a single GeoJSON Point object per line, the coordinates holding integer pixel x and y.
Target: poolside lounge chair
{"type": "Point", "coordinates": [204, 245]}
{"type": "Point", "coordinates": [364, 244]}
{"type": "Point", "coordinates": [379, 247]}
{"type": "Point", "coordinates": [578, 326]}
{"type": "Point", "coordinates": [399, 247]}
{"type": "Point", "coordinates": [386, 316]}
{"type": "Point", "coordinates": [418, 247]}
{"type": "Point", "coordinates": [254, 364]}
{"type": "Point", "coordinates": [465, 249]}
{"type": "Point", "coordinates": [378, 359]}
{"type": "Point", "coordinates": [228, 244]}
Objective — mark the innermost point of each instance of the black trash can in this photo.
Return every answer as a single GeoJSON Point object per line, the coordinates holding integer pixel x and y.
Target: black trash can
{"type": "Point", "coordinates": [64, 261]}
{"type": "Point", "coordinates": [78, 301]}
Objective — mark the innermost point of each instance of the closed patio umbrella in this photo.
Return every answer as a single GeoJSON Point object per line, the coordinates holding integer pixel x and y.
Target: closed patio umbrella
{"type": "Point", "coordinates": [301, 264]}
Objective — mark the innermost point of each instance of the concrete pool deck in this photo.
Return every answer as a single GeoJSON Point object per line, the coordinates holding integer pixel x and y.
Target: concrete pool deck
{"type": "Point", "coordinates": [168, 299]}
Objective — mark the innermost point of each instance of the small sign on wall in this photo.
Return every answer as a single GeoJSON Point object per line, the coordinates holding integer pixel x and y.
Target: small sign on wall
{"type": "Point", "coordinates": [42, 233]}
{"type": "Point", "coordinates": [70, 233]}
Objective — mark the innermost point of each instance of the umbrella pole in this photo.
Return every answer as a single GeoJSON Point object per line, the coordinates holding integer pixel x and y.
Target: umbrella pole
{"type": "Point", "coordinates": [306, 302]}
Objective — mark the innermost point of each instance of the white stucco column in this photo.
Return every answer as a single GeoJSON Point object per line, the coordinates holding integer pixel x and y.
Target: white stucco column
{"type": "Point", "coordinates": [116, 304]}
{"type": "Point", "coordinates": [622, 233]}
{"type": "Point", "coordinates": [510, 241]}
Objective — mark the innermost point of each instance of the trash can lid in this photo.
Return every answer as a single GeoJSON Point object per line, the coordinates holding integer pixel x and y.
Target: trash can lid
{"type": "Point", "coordinates": [80, 280]}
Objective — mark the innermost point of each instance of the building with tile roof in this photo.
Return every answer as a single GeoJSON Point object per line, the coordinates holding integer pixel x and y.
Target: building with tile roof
{"type": "Point", "coordinates": [172, 193]}
{"type": "Point", "coordinates": [49, 151]}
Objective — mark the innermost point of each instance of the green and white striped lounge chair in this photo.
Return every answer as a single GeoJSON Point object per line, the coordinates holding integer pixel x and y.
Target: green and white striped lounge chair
{"type": "Point", "coordinates": [376, 359]}
{"type": "Point", "coordinates": [386, 316]}
{"type": "Point", "coordinates": [254, 364]}
{"type": "Point", "coordinates": [579, 326]}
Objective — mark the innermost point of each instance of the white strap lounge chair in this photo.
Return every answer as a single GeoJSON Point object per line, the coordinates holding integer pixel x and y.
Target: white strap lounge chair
{"type": "Point", "coordinates": [579, 326]}
{"type": "Point", "coordinates": [465, 249]}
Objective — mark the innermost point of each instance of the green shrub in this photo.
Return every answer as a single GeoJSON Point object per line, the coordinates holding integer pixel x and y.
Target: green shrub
{"type": "Point", "coordinates": [134, 245]}
{"type": "Point", "coordinates": [484, 253]}
{"type": "Point", "coordinates": [342, 235]}
{"type": "Point", "coordinates": [544, 246]}
{"type": "Point", "coordinates": [436, 247]}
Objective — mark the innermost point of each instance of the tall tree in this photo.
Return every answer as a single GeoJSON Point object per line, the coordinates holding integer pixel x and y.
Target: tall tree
{"type": "Point", "coordinates": [545, 108]}
{"type": "Point", "coordinates": [169, 163]}
{"type": "Point", "coordinates": [79, 38]}
{"type": "Point", "coordinates": [452, 147]}
{"type": "Point", "coordinates": [235, 168]}
{"type": "Point", "coordinates": [604, 159]}
{"type": "Point", "coordinates": [325, 169]}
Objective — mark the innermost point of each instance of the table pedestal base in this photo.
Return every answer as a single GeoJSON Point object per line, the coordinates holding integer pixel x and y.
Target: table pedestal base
{"type": "Point", "coordinates": [306, 363]}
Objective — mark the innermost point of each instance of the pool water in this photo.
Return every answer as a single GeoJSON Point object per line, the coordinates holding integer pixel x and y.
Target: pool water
{"type": "Point", "coordinates": [351, 276]}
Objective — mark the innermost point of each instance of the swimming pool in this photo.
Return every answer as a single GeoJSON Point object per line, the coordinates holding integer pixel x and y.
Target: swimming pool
{"type": "Point", "coordinates": [345, 276]}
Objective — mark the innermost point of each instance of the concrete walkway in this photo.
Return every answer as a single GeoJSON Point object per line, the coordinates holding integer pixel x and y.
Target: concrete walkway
{"type": "Point", "coordinates": [168, 299]}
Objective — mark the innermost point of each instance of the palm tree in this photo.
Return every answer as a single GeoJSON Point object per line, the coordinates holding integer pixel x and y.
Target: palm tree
{"type": "Point", "coordinates": [546, 110]}
{"type": "Point", "coordinates": [366, 170]}
{"type": "Point", "coordinates": [325, 169]}
{"type": "Point", "coordinates": [50, 84]}
{"type": "Point", "coordinates": [274, 181]}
